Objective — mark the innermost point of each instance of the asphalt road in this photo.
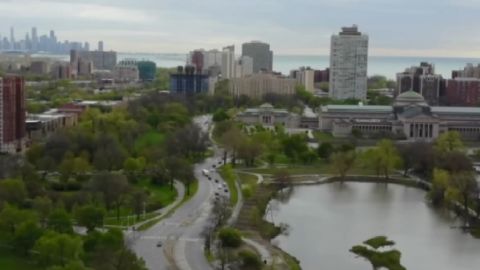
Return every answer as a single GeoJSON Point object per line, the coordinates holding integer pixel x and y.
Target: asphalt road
{"type": "Point", "coordinates": [181, 233]}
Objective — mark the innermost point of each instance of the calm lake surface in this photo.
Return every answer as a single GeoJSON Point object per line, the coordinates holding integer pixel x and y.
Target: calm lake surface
{"type": "Point", "coordinates": [327, 220]}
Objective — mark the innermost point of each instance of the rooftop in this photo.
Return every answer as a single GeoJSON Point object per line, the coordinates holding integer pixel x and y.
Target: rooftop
{"type": "Point", "coordinates": [363, 108]}
{"type": "Point", "coordinates": [456, 110]}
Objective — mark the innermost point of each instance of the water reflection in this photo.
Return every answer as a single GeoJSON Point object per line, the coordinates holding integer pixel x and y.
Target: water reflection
{"type": "Point", "coordinates": [326, 220]}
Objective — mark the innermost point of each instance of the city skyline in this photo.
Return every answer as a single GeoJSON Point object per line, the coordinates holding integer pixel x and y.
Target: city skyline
{"type": "Point", "coordinates": [302, 28]}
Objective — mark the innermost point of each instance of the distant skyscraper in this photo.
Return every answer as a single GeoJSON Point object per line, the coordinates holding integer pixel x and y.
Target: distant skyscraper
{"type": "Point", "coordinates": [86, 46]}
{"type": "Point", "coordinates": [12, 38]}
{"type": "Point", "coordinates": [228, 62]}
{"type": "Point", "coordinates": [260, 53]}
{"type": "Point", "coordinates": [34, 39]}
{"type": "Point", "coordinates": [100, 46]}
{"type": "Point", "coordinates": [423, 80]}
{"type": "Point", "coordinates": [348, 64]}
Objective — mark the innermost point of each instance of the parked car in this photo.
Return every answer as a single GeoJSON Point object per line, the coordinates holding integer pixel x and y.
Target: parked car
{"type": "Point", "coordinates": [159, 243]}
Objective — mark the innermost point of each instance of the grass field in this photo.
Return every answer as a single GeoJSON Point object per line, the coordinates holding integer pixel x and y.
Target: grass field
{"type": "Point", "coordinates": [148, 140]}
{"type": "Point", "coordinates": [160, 195]}
{"type": "Point", "coordinates": [10, 261]}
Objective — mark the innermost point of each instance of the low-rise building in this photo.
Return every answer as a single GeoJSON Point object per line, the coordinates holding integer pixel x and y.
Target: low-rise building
{"type": "Point", "coordinates": [258, 85]}
{"type": "Point", "coordinates": [410, 118]}
{"type": "Point", "coordinates": [40, 126]}
{"type": "Point", "coordinates": [462, 92]}
{"type": "Point", "coordinates": [266, 115]}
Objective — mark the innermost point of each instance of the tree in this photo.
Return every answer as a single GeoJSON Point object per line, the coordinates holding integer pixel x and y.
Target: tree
{"type": "Point", "coordinates": [230, 237]}
{"type": "Point", "coordinates": [89, 216]}
{"type": "Point", "coordinates": [294, 146]}
{"type": "Point", "coordinates": [250, 260]}
{"type": "Point", "coordinates": [26, 235]}
{"type": "Point", "coordinates": [232, 140]}
{"type": "Point", "coordinates": [389, 259]}
{"type": "Point", "coordinates": [43, 207]}
{"type": "Point", "coordinates": [283, 178]}
{"type": "Point", "coordinates": [12, 191]}
{"type": "Point", "coordinates": [449, 141]}
{"type": "Point", "coordinates": [249, 150]}
{"type": "Point", "coordinates": [325, 150]}
{"type": "Point", "coordinates": [106, 251]}
{"type": "Point", "coordinates": [113, 188]}
{"type": "Point", "coordinates": [138, 199]}
{"type": "Point", "coordinates": [388, 157]}
{"type": "Point", "coordinates": [75, 265]}
{"type": "Point", "coordinates": [60, 221]}
{"type": "Point", "coordinates": [57, 249]}
{"type": "Point", "coordinates": [454, 161]}
{"type": "Point", "coordinates": [220, 115]}
{"type": "Point", "coordinates": [462, 188]}
{"type": "Point", "coordinates": [440, 183]}
{"type": "Point", "coordinates": [342, 162]}
{"type": "Point", "coordinates": [11, 218]}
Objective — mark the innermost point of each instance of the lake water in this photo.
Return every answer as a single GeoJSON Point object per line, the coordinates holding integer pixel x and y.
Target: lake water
{"type": "Point", "coordinates": [327, 220]}
{"type": "Point", "coordinates": [382, 65]}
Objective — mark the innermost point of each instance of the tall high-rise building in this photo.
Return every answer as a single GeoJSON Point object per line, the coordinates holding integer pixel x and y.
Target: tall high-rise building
{"type": "Point", "coordinates": [243, 67]}
{"type": "Point", "coordinates": [260, 53]}
{"type": "Point", "coordinates": [348, 64]}
{"type": "Point", "coordinates": [12, 114]}
{"type": "Point", "coordinates": [228, 62]}
{"type": "Point", "coordinates": [100, 46]}
{"type": "Point", "coordinates": [34, 39]}
{"type": "Point", "coordinates": [12, 38]}
{"type": "Point", "coordinates": [423, 80]}
{"type": "Point", "coordinates": [86, 46]}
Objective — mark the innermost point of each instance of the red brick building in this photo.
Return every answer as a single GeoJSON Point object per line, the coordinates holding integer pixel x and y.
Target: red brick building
{"type": "Point", "coordinates": [462, 92]}
{"type": "Point", "coordinates": [12, 114]}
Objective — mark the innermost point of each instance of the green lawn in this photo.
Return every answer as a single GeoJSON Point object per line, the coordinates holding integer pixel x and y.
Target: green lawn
{"type": "Point", "coordinates": [323, 136]}
{"type": "Point", "coordinates": [318, 168]}
{"type": "Point", "coordinates": [8, 261]}
{"type": "Point", "coordinates": [161, 193]}
{"type": "Point", "coordinates": [149, 139]}
{"type": "Point", "coordinates": [228, 175]}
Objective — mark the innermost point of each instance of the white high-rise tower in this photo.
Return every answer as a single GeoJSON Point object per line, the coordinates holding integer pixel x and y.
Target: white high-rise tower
{"type": "Point", "coordinates": [348, 64]}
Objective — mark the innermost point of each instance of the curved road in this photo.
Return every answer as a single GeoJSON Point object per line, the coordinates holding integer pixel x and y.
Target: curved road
{"type": "Point", "coordinates": [181, 233]}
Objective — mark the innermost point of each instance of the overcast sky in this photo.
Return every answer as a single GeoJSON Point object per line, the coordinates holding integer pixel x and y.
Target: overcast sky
{"type": "Point", "coordinates": [396, 27]}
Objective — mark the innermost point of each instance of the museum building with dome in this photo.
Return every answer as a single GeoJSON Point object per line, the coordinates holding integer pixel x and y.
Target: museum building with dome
{"type": "Point", "coordinates": [409, 118]}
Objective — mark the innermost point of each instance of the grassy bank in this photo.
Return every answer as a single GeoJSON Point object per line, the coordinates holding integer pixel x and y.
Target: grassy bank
{"type": "Point", "coordinates": [228, 174]}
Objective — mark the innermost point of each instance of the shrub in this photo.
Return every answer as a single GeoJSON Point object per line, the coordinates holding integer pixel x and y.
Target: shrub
{"type": "Point", "coordinates": [250, 260]}
{"type": "Point", "coordinates": [230, 237]}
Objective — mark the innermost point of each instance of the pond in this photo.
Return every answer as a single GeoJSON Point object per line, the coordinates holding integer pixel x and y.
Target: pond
{"type": "Point", "coordinates": [327, 220]}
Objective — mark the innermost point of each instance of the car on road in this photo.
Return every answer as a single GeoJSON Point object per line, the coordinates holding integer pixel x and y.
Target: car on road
{"type": "Point", "coordinates": [205, 172]}
{"type": "Point", "coordinates": [214, 166]}
{"type": "Point", "coordinates": [216, 181]}
{"type": "Point", "coordinates": [226, 190]}
{"type": "Point", "coordinates": [159, 244]}
{"type": "Point", "coordinates": [217, 194]}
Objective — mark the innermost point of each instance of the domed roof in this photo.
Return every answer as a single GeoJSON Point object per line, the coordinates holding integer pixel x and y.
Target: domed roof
{"type": "Point", "coordinates": [410, 98]}
{"type": "Point", "coordinates": [266, 106]}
